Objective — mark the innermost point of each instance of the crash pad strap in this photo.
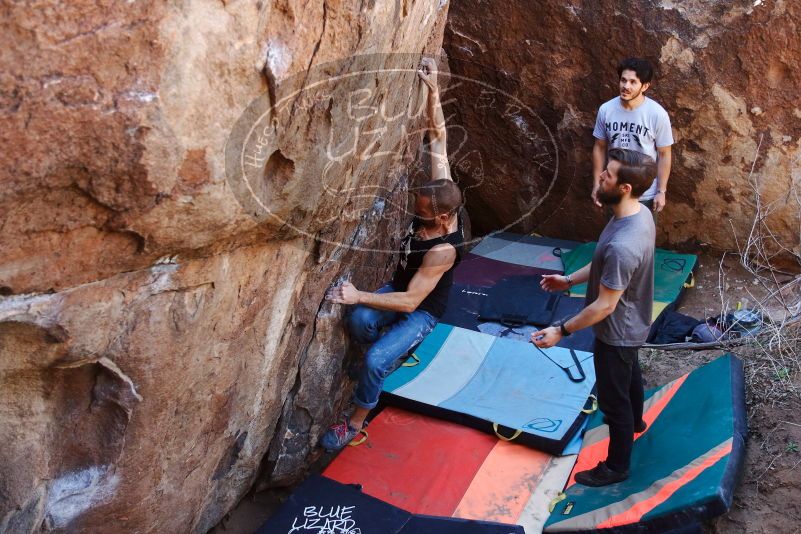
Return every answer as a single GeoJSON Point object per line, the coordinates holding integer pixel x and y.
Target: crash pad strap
{"type": "Point", "coordinates": [691, 281]}
{"type": "Point", "coordinates": [556, 500]}
{"type": "Point", "coordinates": [580, 370]}
{"type": "Point", "coordinates": [512, 320]}
{"type": "Point", "coordinates": [356, 443]}
{"type": "Point", "coordinates": [582, 375]}
{"type": "Point", "coordinates": [415, 361]}
{"type": "Point", "coordinates": [593, 407]}
{"type": "Point", "coordinates": [504, 438]}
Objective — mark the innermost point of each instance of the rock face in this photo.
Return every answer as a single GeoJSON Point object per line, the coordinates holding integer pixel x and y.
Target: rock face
{"type": "Point", "coordinates": [163, 335]}
{"type": "Point", "coordinates": [181, 182]}
{"type": "Point", "coordinates": [728, 74]}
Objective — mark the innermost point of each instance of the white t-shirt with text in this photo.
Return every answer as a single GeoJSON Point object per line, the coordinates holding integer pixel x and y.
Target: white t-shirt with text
{"type": "Point", "coordinates": [644, 129]}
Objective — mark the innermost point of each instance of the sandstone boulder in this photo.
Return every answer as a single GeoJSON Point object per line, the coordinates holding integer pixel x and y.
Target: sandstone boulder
{"type": "Point", "coordinates": [163, 335]}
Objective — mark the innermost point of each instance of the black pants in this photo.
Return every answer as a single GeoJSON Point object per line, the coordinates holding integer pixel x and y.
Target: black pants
{"type": "Point", "coordinates": [620, 397]}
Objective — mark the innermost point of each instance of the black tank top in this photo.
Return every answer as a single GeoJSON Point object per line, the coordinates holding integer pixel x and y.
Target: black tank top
{"type": "Point", "coordinates": [412, 251]}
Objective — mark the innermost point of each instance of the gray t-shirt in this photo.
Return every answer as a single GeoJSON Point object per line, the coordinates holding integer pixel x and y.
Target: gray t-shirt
{"type": "Point", "coordinates": [624, 259]}
{"type": "Point", "coordinates": [643, 129]}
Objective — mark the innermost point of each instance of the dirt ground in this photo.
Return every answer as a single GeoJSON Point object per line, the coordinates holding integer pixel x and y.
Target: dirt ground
{"type": "Point", "coordinates": [768, 497]}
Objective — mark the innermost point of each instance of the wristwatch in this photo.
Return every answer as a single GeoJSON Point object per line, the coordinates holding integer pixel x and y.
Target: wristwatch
{"type": "Point", "coordinates": [564, 331]}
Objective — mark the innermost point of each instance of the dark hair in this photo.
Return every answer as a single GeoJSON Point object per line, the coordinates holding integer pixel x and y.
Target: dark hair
{"type": "Point", "coordinates": [636, 169]}
{"type": "Point", "coordinates": [643, 68]}
{"type": "Point", "coordinates": [444, 194]}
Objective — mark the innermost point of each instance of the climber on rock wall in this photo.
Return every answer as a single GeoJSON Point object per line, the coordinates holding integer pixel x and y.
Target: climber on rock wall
{"type": "Point", "coordinates": [634, 122]}
{"type": "Point", "coordinates": [395, 318]}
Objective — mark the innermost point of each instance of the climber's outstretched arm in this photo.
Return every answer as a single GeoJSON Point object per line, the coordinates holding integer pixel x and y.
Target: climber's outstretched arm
{"type": "Point", "coordinates": [437, 135]}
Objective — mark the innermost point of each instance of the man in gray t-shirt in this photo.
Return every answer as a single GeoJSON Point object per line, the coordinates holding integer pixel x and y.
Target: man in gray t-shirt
{"type": "Point", "coordinates": [624, 260]}
{"type": "Point", "coordinates": [634, 122]}
{"type": "Point", "coordinates": [620, 294]}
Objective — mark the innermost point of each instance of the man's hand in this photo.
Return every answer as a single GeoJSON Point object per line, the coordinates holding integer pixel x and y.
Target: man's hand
{"type": "Point", "coordinates": [428, 72]}
{"type": "Point", "coordinates": [659, 202]}
{"type": "Point", "coordinates": [594, 195]}
{"type": "Point", "coordinates": [554, 282]}
{"type": "Point", "coordinates": [664, 159]}
{"type": "Point", "coordinates": [598, 166]}
{"type": "Point", "coordinates": [344, 294]}
{"type": "Point", "coordinates": [547, 337]}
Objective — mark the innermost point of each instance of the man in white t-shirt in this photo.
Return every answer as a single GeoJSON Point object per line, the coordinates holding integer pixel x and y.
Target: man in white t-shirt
{"type": "Point", "coordinates": [633, 121]}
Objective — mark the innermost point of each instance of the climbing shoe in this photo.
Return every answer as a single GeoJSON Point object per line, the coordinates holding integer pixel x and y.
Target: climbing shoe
{"type": "Point", "coordinates": [339, 435]}
{"type": "Point", "coordinates": [600, 475]}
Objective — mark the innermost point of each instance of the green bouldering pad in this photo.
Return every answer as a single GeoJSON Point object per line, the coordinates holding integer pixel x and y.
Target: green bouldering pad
{"type": "Point", "coordinates": [684, 467]}
{"type": "Point", "coordinates": [671, 271]}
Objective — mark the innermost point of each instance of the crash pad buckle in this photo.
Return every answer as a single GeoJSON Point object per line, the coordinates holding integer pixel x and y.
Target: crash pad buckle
{"type": "Point", "coordinates": [407, 363]}
{"type": "Point", "coordinates": [556, 500]}
{"type": "Point", "coordinates": [691, 283]}
{"type": "Point", "coordinates": [504, 438]}
{"type": "Point", "coordinates": [364, 437]}
{"type": "Point", "coordinates": [594, 405]}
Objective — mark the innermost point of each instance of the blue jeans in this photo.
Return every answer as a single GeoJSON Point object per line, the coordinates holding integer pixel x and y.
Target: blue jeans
{"type": "Point", "coordinates": [403, 332]}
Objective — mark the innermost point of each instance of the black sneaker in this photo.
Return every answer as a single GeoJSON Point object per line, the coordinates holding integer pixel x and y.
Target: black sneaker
{"type": "Point", "coordinates": [639, 428]}
{"type": "Point", "coordinates": [600, 475]}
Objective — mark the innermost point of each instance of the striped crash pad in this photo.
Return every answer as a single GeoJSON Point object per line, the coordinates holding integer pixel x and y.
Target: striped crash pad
{"type": "Point", "coordinates": [672, 274]}
{"type": "Point", "coordinates": [465, 303]}
{"type": "Point", "coordinates": [506, 254]}
{"type": "Point", "coordinates": [684, 467]}
{"type": "Point", "coordinates": [530, 251]}
{"type": "Point", "coordinates": [498, 385]}
{"type": "Point", "coordinates": [321, 506]}
{"type": "Point", "coordinates": [513, 297]}
{"type": "Point", "coordinates": [486, 272]}
{"type": "Point", "coordinates": [429, 466]}
{"type": "Point", "coordinates": [501, 256]}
